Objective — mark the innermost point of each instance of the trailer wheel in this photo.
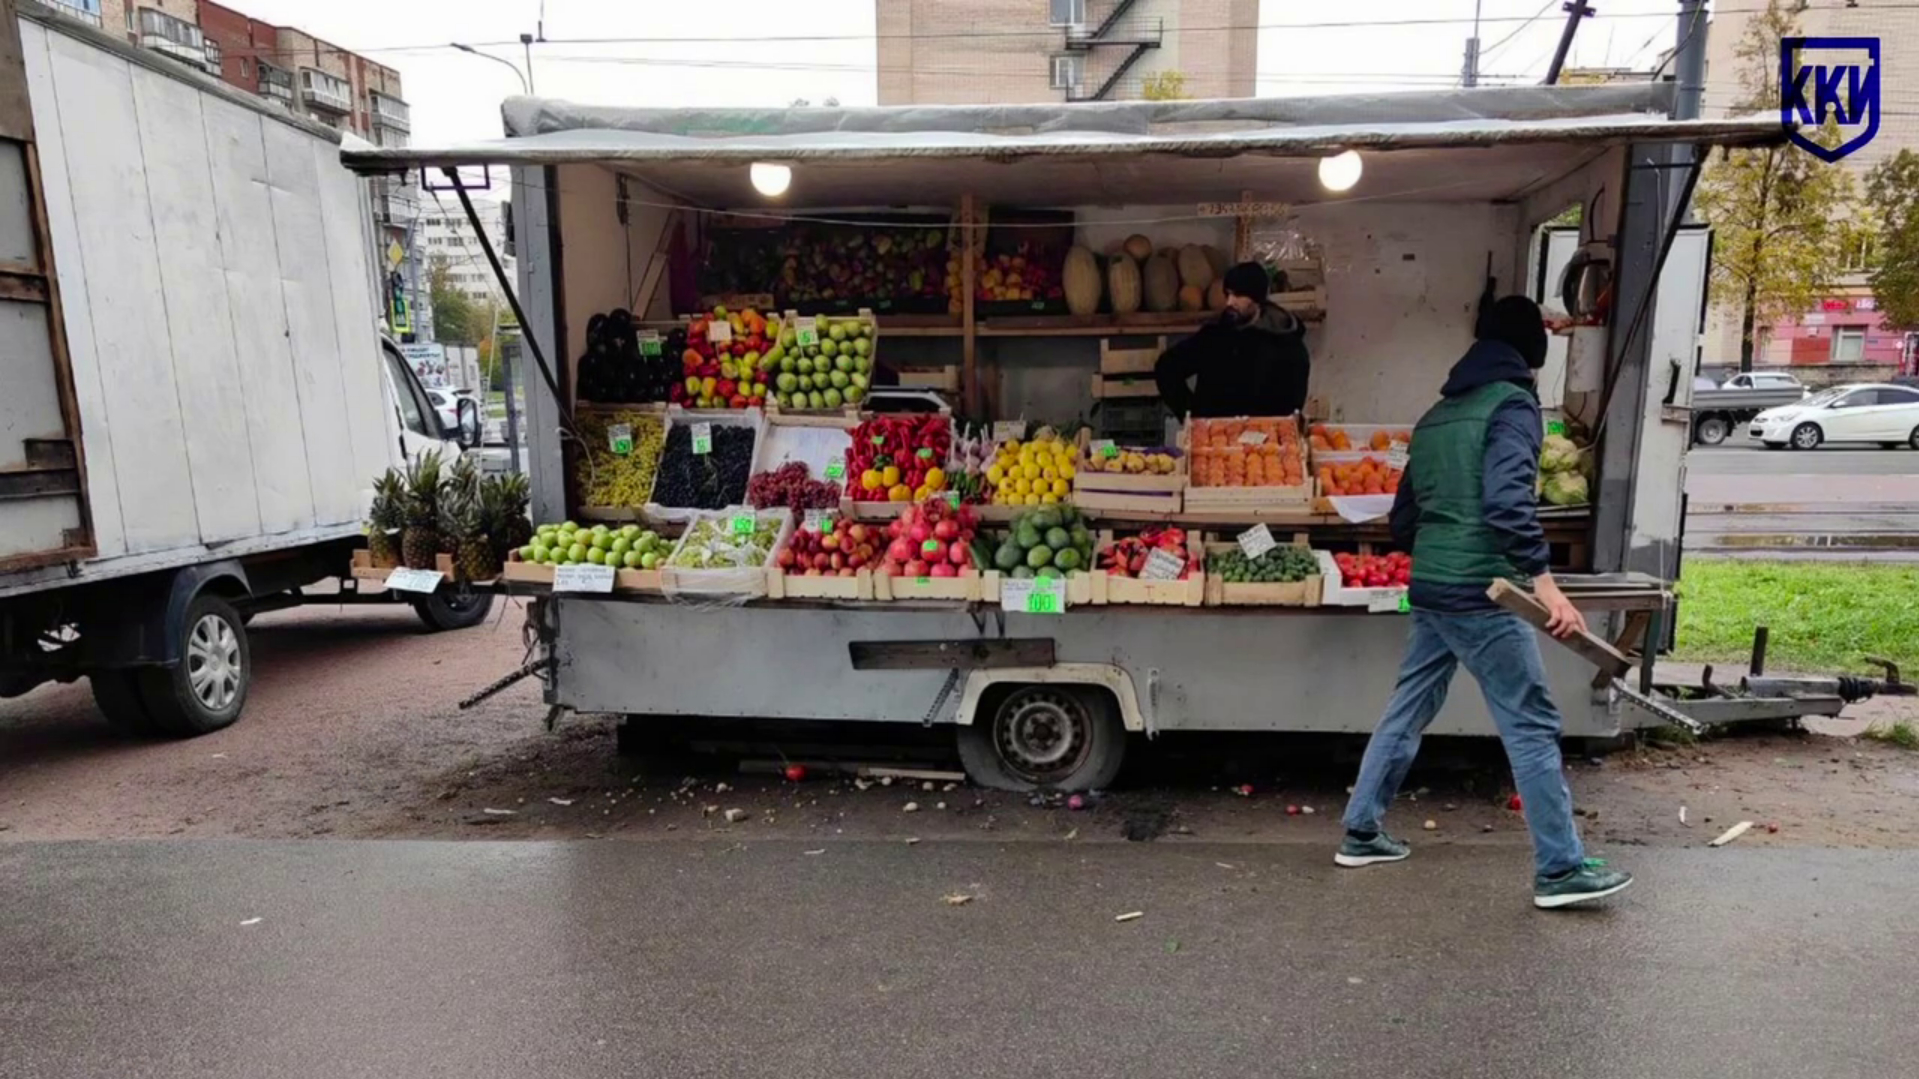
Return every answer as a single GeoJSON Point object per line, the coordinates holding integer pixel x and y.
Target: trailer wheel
{"type": "Point", "coordinates": [1711, 430]}
{"type": "Point", "coordinates": [117, 693]}
{"type": "Point", "coordinates": [454, 606]}
{"type": "Point", "coordinates": [206, 690]}
{"type": "Point", "coordinates": [1807, 436]}
{"type": "Point", "coordinates": [1051, 737]}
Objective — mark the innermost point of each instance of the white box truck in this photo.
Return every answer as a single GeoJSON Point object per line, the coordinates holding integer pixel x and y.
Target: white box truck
{"type": "Point", "coordinates": [197, 396]}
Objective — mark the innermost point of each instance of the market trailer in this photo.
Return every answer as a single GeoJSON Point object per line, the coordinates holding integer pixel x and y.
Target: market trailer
{"type": "Point", "coordinates": [1456, 187]}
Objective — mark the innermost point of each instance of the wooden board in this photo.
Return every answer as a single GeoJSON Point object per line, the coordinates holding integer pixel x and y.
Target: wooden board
{"type": "Point", "coordinates": [1296, 500]}
{"type": "Point", "coordinates": [1221, 593]}
{"type": "Point", "coordinates": [964, 588]}
{"type": "Point", "coordinates": [1129, 361]}
{"type": "Point", "coordinates": [625, 580]}
{"type": "Point", "coordinates": [1592, 649]}
{"type": "Point", "coordinates": [785, 586]}
{"type": "Point", "coordinates": [1105, 387]}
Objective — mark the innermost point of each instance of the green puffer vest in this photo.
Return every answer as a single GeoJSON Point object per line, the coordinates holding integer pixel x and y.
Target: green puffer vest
{"type": "Point", "coordinates": [1449, 455]}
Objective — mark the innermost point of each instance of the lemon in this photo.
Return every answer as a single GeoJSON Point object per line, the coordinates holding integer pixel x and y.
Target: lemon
{"type": "Point", "coordinates": [1049, 473]}
{"type": "Point", "coordinates": [1061, 487]}
{"type": "Point", "coordinates": [1066, 472]}
{"type": "Point", "coordinates": [1032, 500]}
{"type": "Point", "coordinates": [1029, 471]}
{"type": "Point", "coordinates": [994, 474]}
{"type": "Point", "coordinates": [1049, 500]}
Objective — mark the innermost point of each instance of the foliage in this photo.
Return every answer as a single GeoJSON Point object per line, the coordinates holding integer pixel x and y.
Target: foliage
{"type": "Point", "coordinates": [1824, 616]}
{"type": "Point", "coordinates": [1777, 212]}
{"type": "Point", "coordinates": [456, 318]}
{"type": "Point", "coordinates": [1164, 86]}
{"type": "Point", "coordinates": [1899, 733]}
{"type": "Point", "coordinates": [1892, 189]}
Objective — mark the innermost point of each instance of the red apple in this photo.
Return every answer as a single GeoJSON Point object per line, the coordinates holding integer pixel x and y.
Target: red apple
{"type": "Point", "coordinates": [900, 550]}
{"type": "Point", "coordinates": [958, 553]}
{"type": "Point", "coordinates": [917, 568]}
{"type": "Point", "coordinates": [945, 530]}
{"type": "Point", "coordinates": [944, 570]}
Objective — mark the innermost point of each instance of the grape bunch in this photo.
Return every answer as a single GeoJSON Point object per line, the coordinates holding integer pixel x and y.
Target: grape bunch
{"type": "Point", "coordinates": [791, 485]}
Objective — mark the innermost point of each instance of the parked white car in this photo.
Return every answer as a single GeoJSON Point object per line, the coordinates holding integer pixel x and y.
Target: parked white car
{"type": "Point", "coordinates": [459, 412]}
{"type": "Point", "coordinates": [1762, 380]}
{"type": "Point", "coordinates": [1876, 413]}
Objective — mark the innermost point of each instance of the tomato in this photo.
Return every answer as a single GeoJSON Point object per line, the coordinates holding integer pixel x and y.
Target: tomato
{"type": "Point", "coordinates": [795, 773]}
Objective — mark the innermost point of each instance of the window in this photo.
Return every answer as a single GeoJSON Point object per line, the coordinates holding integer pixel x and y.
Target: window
{"type": "Point", "coordinates": [1066, 70]}
{"type": "Point", "coordinates": [1858, 251]}
{"type": "Point", "coordinates": [406, 391]}
{"type": "Point", "coordinates": [1848, 344]}
{"type": "Point", "coordinates": [1066, 12]}
{"type": "Point", "coordinates": [1858, 399]}
{"type": "Point", "coordinates": [1891, 396]}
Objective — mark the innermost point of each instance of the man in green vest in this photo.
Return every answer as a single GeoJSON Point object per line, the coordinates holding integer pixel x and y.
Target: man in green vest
{"type": "Point", "coordinates": [1467, 507]}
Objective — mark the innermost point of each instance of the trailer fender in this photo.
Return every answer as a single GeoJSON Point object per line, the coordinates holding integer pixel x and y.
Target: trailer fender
{"type": "Point", "coordinates": [1105, 675]}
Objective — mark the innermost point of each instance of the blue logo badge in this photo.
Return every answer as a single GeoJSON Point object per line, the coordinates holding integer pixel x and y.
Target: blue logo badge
{"type": "Point", "coordinates": [1847, 93]}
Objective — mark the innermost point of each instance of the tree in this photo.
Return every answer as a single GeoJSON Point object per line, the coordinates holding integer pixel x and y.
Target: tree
{"type": "Point", "coordinates": [1777, 212]}
{"type": "Point", "coordinates": [1164, 86]}
{"type": "Point", "coordinates": [455, 319]}
{"type": "Point", "coordinates": [1892, 189]}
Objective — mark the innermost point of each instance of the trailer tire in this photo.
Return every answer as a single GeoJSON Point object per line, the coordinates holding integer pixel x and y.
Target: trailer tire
{"type": "Point", "coordinates": [117, 694]}
{"type": "Point", "coordinates": [207, 689]}
{"type": "Point", "coordinates": [1044, 737]}
{"type": "Point", "coordinates": [1711, 430]}
{"type": "Point", "coordinates": [454, 606]}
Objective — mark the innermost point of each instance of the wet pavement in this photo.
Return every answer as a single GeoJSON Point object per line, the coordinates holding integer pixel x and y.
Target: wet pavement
{"type": "Point", "coordinates": [718, 958]}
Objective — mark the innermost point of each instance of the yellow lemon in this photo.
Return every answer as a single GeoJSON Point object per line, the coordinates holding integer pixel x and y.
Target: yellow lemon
{"type": "Point", "coordinates": [1066, 472]}
{"type": "Point", "coordinates": [1049, 500]}
{"type": "Point", "coordinates": [995, 473]}
{"type": "Point", "coordinates": [1030, 472]}
{"type": "Point", "coordinates": [1032, 500]}
{"type": "Point", "coordinates": [1049, 473]}
{"type": "Point", "coordinates": [1061, 487]}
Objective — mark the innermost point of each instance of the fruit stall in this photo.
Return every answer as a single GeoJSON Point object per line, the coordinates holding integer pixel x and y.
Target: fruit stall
{"type": "Point", "coordinates": [1035, 552]}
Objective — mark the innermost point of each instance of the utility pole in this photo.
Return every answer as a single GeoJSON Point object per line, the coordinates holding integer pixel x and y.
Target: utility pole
{"type": "Point", "coordinates": [1689, 64]}
{"type": "Point", "coordinates": [526, 42]}
{"type": "Point", "coordinates": [1469, 73]}
{"type": "Point", "coordinates": [1575, 10]}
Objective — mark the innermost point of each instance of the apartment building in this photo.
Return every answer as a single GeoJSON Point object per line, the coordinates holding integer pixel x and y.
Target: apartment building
{"type": "Point", "coordinates": [1844, 333]}
{"type": "Point", "coordinates": [445, 237]}
{"type": "Point", "coordinates": [993, 52]}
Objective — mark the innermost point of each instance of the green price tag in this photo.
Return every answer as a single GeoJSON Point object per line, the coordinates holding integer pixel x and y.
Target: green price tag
{"type": "Point", "coordinates": [835, 469]}
{"type": "Point", "coordinates": [702, 438]}
{"type": "Point", "coordinates": [1109, 451]}
{"type": "Point", "coordinates": [649, 343]}
{"type": "Point", "coordinates": [922, 580]}
{"type": "Point", "coordinates": [1556, 427]}
{"type": "Point", "coordinates": [1038, 602]}
{"type": "Point", "coordinates": [806, 331]}
{"type": "Point", "coordinates": [879, 440]}
{"type": "Point", "coordinates": [925, 453]}
{"type": "Point", "coordinates": [743, 525]}
{"type": "Point", "coordinates": [1405, 605]}
{"type": "Point", "coordinates": [620, 437]}
{"type": "Point", "coordinates": [952, 499]}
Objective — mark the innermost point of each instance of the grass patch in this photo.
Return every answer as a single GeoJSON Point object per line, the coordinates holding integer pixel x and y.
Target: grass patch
{"type": "Point", "coordinates": [1824, 615]}
{"type": "Point", "coordinates": [1902, 734]}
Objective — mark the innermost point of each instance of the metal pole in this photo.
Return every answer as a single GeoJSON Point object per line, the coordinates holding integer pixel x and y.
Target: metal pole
{"type": "Point", "coordinates": [1575, 11]}
{"type": "Point", "coordinates": [499, 274]}
{"type": "Point", "coordinates": [526, 42]}
{"type": "Point", "coordinates": [1469, 74]}
{"type": "Point", "coordinates": [525, 86]}
{"type": "Point", "coordinates": [1690, 63]}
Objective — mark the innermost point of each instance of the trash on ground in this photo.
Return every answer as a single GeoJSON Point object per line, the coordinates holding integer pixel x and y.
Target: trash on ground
{"type": "Point", "coordinates": [251, 921]}
{"type": "Point", "coordinates": [937, 775]}
{"type": "Point", "coordinates": [1075, 801]}
{"type": "Point", "coordinates": [1772, 829]}
{"type": "Point", "coordinates": [561, 801]}
{"type": "Point", "coordinates": [1515, 804]}
{"type": "Point", "coordinates": [1731, 834]}
{"type": "Point", "coordinates": [958, 899]}
{"type": "Point", "coordinates": [795, 773]}
{"type": "Point", "coordinates": [1244, 790]}
{"type": "Point", "coordinates": [1129, 916]}
{"type": "Point", "coordinates": [1226, 865]}
{"type": "Point", "coordinates": [1682, 816]}
{"type": "Point", "coordinates": [910, 807]}
{"type": "Point", "coordinates": [1072, 834]}
{"type": "Point", "coordinates": [500, 812]}
{"type": "Point", "coordinates": [1308, 810]}
{"type": "Point", "coordinates": [1172, 947]}
{"type": "Point", "coordinates": [1431, 826]}
{"type": "Point", "coordinates": [912, 840]}
{"type": "Point", "coordinates": [809, 853]}
{"type": "Point", "coordinates": [734, 816]}
{"type": "Point", "coordinates": [1292, 811]}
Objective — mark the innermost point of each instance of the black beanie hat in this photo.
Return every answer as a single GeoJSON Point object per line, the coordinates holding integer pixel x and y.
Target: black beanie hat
{"type": "Point", "coordinates": [1515, 320]}
{"type": "Point", "coordinates": [1247, 279]}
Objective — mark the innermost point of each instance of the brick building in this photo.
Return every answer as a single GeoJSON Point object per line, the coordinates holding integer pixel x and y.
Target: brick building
{"type": "Point", "coordinates": [963, 52]}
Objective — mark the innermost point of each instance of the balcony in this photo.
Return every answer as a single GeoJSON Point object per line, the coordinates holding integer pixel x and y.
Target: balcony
{"type": "Point", "coordinates": [325, 92]}
{"type": "Point", "coordinates": [173, 37]}
{"type": "Point", "coordinates": [86, 11]}
{"type": "Point", "coordinates": [390, 112]}
{"type": "Point", "coordinates": [276, 85]}
{"type": "Point", "coordinates": [394, 202]}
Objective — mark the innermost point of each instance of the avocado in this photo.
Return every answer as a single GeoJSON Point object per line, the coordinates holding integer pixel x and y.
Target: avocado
{"type": "Point", "coordinates": [1039, 556]}
{"type": "Point", "coordinates": [1045, 518]}
{"type": "Point", "coordinates": [1008, 555]}
{"type": "Point", "coordinates": [1027, 536]}
{"type": "Point", "coordinates": [1021, 573]}
{"type": "Point", "coordinates": [1050, 572]}
{"type": "Point", "coordinates": [1057, 539]}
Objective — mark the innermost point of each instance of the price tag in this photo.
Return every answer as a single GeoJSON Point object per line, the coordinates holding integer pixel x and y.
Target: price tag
{"type": "Point", "coordinates": [922, 580]}
{"type": "Point", "coordinates": [1009, 430]}
{"type": "Point", "coordinates": [650, 343]}
{"type": "Point", "coordinates": [1252, 438]}
{"type": "Point", "coordinates": [582, 577]}
{"type": "Point", "coordinates": [1104, 448]}
{"type": "Point", "coordinates": [1399, 445]}
{"type": "Point", "coordinates": [719, 331]}
{"type": "Point", "coordinates": [1556, 427]}
{"type": "Point", "coordinates": [702, 438]}
{"type": "Point", "coordinates": [806, 330]}
{"type": "Point", "coordinates": [952, 499]}
{"type": "Point", "coordinates": [1257, 540]}
{"type": "Point", "coordinates": [1397, 459]}
{"type": "Point", "coordinates": [1161, 565]}
{"type": "Point", "coordinates": [879, 440]}
{"type": "Point", "coordinates": [414, 580]}
{"type": "Point", "coordinates": [1387, 601]}
{"type": "Point", "coordinates": [835, 468]}
{"type": "Point", "coordinates": [818, 520]}
{"type": "Point", "coordinates": [743, 524]}
{"type": "Point", "coordinates": [1033, 595]}
{"type": "Point", "coordinates": [925, 453]}
{"type": "Point", "coordinates": [620, 438]}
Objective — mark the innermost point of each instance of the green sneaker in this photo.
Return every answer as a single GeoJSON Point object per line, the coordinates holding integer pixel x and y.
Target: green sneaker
{"type": "Point", "coordinates": [1354, 853]}
{"type": "Point", "coordinates": [1591, 881]}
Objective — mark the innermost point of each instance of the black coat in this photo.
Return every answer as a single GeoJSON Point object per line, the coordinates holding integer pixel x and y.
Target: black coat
{"type": "Point", "coordinates": [1258, 368]}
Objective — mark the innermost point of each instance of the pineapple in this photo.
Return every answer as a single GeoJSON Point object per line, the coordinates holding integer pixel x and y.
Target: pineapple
{"type": "Point", "coordinates": [420, 540]}
{"type": "Point", "coordinates": [508, 522]}
{"type": "Point", "coordinates": [464, 529]}
{"type": "Point", "coordinates": [386, 518]}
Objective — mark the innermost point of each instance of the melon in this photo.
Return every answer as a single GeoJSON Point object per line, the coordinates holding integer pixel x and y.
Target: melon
{"type": "Point", "coordinates": [1139, 247]}
{"type": "Point", "coordinates": [1215, 258]}
{"type": "Point", "coordinates": [1161, 283]}
{"type": "Point", "coordinates": [1216, 294]}
{"type": "Point", "coordinates": [1080, 281]}
{"type": "Point", "coordinates": [1194, 268]}
{"type": "Point", "coordinates": [1123, 285]}
{"type": "Point", "coordinates": [1191, 298]}
{"type": "Point", "coordinates": [1170, 254]}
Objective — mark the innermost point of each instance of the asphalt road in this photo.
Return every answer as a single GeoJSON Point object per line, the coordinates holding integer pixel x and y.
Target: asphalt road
{"type": "Point", "coordinates": [1831, 502]}
{"type": "Point", "coordinates": [335, 960]}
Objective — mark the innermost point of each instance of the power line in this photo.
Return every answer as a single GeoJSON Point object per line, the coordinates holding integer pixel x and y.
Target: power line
{"type": "Point", "coordinates": [1515, 31]}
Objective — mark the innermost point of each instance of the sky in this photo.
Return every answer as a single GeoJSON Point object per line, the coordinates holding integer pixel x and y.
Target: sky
{"type": "Point", "coordinates": [770, 52]}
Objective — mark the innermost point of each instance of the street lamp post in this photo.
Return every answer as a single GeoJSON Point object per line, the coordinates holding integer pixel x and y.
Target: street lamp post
{"type": "Point", "coordinates": [525, 87]}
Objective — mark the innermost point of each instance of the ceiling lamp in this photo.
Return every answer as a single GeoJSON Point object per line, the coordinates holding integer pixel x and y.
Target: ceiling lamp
{"type": "Point", "coordinates": [772, 180]}
{"type": "Point", "coordinates": [1338, 172]}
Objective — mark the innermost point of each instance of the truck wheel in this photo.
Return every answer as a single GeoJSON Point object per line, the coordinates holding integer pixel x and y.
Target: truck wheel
{"type": "Point", "coordinates": [206, 690]}
{"type": "Point", "coordinates": [1050, 737]}
{"type": "Point", "coordinates": [454, 607]}
{"type": "Point", "coordinates": [117, 693]}
{"type": "Point", "coordinates": [1807, 436]}
{"type": "Point", "coordinates": [1711, 430]}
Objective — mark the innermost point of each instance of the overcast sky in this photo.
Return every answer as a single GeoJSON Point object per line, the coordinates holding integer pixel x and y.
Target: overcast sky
{"type": "Point", "coordinates": [750, 57]}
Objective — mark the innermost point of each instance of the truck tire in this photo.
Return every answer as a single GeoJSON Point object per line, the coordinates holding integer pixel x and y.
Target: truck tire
{"type": "Point", "coordinates": [117, 693]}
{"type": "Point", "coordinates": [1711, 430]}
{"type": "Point", "coordinates": [1045, 737]}
{"type": "Point", "coordinates": [207, 689]}
{"type": "Point", "coordinates": [453, 607]}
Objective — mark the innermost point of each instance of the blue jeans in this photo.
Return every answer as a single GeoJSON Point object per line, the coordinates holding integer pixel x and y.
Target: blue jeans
{"type": "Point", "coordinates": [1502, 654]}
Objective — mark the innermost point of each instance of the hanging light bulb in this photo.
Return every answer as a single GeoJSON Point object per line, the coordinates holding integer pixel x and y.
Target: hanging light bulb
{"type": "Point", "coordinates": [769, 179]}
{"type": "Point", "coordinates": [1340, 171]}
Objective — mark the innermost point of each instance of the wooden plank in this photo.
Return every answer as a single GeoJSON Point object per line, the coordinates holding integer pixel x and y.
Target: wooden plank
{"type": "Point", "coordinates": [118, 257]}
{"type": "Point", "coordinates": [300, 232]}
{"type": "Point", "coordinates": [236, 158]}
{"type": "Point", "coordinates": [347, 219]}
{"type": "Point", "coordinates": [199, 325]}
{"type": "Point", "coordinates": [16, 107]}
{"type": "Point", "coordinates": [1587, 646]}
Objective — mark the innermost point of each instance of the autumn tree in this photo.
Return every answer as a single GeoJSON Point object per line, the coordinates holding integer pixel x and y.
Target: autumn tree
{"type": "Point", "coordinates": [1892, 188]}
{"type": "Point", "coordinates": [1164, 86]}
{"type": "Point", "coordinates": [455, 316]}
{"type": "Point", "coordinates": [1777, 212]}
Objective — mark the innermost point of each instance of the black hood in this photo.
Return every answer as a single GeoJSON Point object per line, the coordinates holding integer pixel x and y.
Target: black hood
{"type": "Point", "coordinates": [1271, 319]}
{"type": "Point", "coordinates": [1485, 363]}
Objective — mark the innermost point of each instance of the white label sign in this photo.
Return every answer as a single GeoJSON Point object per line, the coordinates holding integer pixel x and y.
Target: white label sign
{"type": "Point", "coordinates": [1104, 449]}
{"type": "Point", "coordinates": [1162, 565]}
{"type": "Point", "coordinates": [1397, 459]}
{"type": "Point", "coordinates": [819, 520]}
{"type": "Point", "coordinates": [1257, 540]}
{"type": "Point", "coordinates": [414, 580]}
{"type": "Point", "coordinates": [582, 577]}
{"type": "Point", "coordinates": [1033, 595]}
{"type": "Point", "coordinates": [702, 438]}
{"type": "Point", "coordinates": [1387, 601]}
{"type": "Point", "coordinates": [719, 331]}
{"type": "Point", "coordinates": [649, 342]}
{"type": "Point", "coordinates": [1008, 430]}
{"type": "Point", "coordinates": [619, 438]}
{"type": "Point", "coordinates": [806, 330]}
{"type": "Point", "coordinates": [1252, 438]}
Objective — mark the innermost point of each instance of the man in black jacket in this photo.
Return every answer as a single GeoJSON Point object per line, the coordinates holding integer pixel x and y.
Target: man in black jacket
{"type": "Point", "coordinates": [1249, 361]}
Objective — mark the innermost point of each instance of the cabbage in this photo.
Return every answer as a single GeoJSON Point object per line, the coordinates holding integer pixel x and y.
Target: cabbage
{"type": "Point", "coordinates": [1559, 454]}
{"type": "Point", "coordinates": [1565, 489]}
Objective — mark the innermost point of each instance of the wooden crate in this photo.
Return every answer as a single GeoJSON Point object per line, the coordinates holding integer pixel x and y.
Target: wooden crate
{"type": "Point", "coordinates": [1268, 499]}
{"type": "Point", "coordinates": [782, 586]}
{"type": "Point", "coordinates": [1220, 593]}
{"type": "Point", "coordinates": [624, 580]}
{"type": "Point", "coordinates": [1083, 589]}
{"type": "Point", "coordinates": [1129, 361]}
{"type": "Point", "coordinates": [363, 568]}
{"type": "Point", "coordinates": [1116, 589]}
{"type": "Point", "coordinates": [1148, 493]}
{"type": "Point", "coordinates": [964, 588]}
{"type": "Point", "coordinates": [946, 378]}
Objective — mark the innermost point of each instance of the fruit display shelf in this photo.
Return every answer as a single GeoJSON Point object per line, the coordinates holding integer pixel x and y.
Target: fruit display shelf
{"type": "Point", "coordinates": [1223, 593]}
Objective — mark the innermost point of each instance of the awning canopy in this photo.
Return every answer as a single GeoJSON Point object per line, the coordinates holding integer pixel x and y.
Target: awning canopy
{"type": "Point", "coordinates": [1475, 145]}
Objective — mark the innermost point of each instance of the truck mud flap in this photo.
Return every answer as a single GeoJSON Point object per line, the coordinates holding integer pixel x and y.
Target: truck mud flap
{"type": "Point", "coordinates": [952, 655]}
